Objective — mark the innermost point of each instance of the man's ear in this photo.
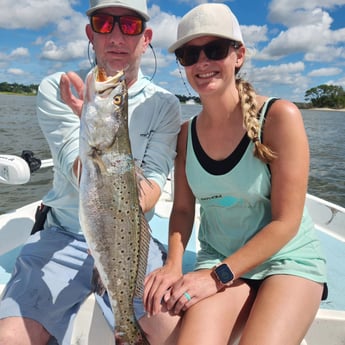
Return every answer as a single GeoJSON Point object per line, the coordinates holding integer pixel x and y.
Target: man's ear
{"type": "Point", "coordinates": [148, 33]}
{"type": "Point", "coordinates": [89, 32]}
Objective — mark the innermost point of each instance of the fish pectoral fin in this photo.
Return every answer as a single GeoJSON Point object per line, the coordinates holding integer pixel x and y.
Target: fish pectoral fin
{"type": "Point", "coordinates": [100, 166]}
{"type": "Point", "coordinates": [140, 177]}
{"type": "Point", "coordinates": [98, 161]}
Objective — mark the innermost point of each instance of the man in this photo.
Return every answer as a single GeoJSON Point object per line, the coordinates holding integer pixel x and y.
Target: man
{"type": "Point", "coordinates": [53, 273]}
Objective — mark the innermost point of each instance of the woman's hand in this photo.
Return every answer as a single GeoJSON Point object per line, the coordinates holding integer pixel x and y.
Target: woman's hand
{"type": "Point", "coordinates": [157, 285]}
{"type": "Point", "coordinates": [189, 290]}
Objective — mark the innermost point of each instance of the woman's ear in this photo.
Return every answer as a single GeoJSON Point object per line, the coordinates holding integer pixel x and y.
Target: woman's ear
{"type": "Point", "coordinates": [241, 53]}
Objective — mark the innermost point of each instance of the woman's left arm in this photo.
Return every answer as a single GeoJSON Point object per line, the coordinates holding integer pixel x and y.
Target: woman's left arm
{"type": "Point", "coordinates": [284, 133]}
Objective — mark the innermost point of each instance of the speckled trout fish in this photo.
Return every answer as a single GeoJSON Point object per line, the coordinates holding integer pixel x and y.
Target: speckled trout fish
{"type": "Point", "coordinates": [110, 215]}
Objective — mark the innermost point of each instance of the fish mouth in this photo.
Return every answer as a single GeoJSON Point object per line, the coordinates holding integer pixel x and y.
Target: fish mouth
{"type": "Point", "coordinates": [103, 82]}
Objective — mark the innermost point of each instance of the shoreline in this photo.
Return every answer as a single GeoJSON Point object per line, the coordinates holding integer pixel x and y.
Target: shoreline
{"type": "Point", "coordinates": [7, 93]}
{"type": "Point", "coordinates": [342, 110]}
{"type": "Point", "coordinates": [326, 109]}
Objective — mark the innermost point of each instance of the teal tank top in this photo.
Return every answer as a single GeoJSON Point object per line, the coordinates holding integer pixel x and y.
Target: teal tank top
{"type": "Point", "coordinates": [234, 197]}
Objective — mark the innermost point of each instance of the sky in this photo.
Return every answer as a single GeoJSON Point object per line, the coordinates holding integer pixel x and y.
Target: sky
{"type": "Point", "coordinates": [294, 45]}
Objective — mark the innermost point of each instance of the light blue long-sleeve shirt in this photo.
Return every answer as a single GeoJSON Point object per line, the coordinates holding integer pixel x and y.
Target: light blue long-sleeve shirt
{"type": "Point", "coordinates": [154, 122]}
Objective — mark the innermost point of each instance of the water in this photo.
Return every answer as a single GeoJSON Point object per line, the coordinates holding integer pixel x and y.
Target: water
{"type": "Point", "coordinates": [19, 131]}
{"type": "Point", "coordinates": [325, 130]}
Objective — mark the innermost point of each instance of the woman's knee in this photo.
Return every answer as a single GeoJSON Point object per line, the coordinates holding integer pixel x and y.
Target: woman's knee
{"type": "Point", "coordinates": [161, 329]}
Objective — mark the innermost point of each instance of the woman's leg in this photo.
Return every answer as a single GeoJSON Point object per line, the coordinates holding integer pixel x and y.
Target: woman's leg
{"type": "Point", "coordinates": [218, 318]}
{"type": "Point", "coordinates": [283, 311]}
{"type": "Point", "coordinates": [161, 329]}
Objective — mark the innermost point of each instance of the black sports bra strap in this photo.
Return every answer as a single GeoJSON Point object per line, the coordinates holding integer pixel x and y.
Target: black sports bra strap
{"type": "Point", "coordinates": [263, 113]}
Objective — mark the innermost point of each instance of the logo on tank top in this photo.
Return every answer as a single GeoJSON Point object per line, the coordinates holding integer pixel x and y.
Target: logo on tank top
{"type": "Point", "coordinates": [219, 200]}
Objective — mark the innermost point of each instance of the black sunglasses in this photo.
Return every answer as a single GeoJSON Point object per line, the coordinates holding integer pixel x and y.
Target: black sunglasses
{"type": "Point", "coordinates": [129, 25]}
{"type": "Point", "coordinates": [215, 50]}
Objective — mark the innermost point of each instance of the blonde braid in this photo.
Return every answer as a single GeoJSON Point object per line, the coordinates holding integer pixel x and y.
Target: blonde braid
{"type": "Point", "coordinates": [251, 122]}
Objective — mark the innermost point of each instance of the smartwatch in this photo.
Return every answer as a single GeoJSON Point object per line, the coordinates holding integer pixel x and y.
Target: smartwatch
{"type": "Point", "coordinates": [223, 276]}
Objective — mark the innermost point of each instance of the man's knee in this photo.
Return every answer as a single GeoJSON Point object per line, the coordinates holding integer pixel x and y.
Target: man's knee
{"type": "Point", "coordinates": [22, 331]}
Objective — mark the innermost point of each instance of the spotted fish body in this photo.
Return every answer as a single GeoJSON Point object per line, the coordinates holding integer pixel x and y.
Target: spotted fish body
{"type": "Point", "coordinates": [112, 221]}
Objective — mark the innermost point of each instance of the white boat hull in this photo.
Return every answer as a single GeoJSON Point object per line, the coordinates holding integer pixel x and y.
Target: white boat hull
{"type": "Point", "coordinates": [91, 327]}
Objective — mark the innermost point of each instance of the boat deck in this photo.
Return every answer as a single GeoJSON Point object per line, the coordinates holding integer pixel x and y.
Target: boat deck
{"type": "Point", "coordinates": [90, 326]}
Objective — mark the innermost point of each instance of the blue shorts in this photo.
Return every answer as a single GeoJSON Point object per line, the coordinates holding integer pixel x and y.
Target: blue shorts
{"type": "Point", "coordinates": [52, 277]}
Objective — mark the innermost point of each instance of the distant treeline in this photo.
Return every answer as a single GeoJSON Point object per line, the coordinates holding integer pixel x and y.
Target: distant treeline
{"type": "Point", "coordinates": [326, 96]}
{"type": "Point", "coordinates": [322, 96]}
{"type": "Point", "coordinates": [18, 88]}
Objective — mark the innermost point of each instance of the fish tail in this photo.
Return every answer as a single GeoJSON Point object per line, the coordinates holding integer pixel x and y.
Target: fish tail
{"type": "Point", "coordinates": [122, 339]}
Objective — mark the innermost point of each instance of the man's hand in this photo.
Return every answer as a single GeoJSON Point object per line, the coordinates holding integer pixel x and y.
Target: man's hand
{"type": "Point", "coordinates": [66, 82]}
{"type": "Point", "coordinates": [97, 284]}
{"type": "Point", "coordinates": [77, 168]}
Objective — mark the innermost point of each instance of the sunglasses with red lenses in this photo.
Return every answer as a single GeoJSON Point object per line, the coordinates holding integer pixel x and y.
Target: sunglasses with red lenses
{"type": "Point", "coordinates": [214, 50]}
{"type": "Point", "coordinates": [129, 25]}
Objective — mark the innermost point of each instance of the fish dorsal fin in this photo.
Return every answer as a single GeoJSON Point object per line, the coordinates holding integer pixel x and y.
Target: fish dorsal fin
{"type": "Point", "coordinates": [145, 237]}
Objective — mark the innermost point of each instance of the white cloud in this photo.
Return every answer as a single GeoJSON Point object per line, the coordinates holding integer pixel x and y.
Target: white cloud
{"type": "Point", "coordinates": [284, 80]}
{"type": "Point", "coordinates": [16, 71]}
{"type": "Point", "coordinates": [39, 41]}
{"type": "Point", "coordinates": [164, 27]}
{"type": "Point", "coordinates": [316, 41]}
{"type": "Point", "coordinates": [72, 28]}
{"type": "Point", "coordinates": [277, 74]}
{"type": "Point", "coordinates": [326, 53]}
{"type": "Point", "coordinates": [325, 72]}
{"type": "Point", "coordinates": [19, 53]}
{"type": "Point", "coordinates": [253, 34]}
{"type": "Point", "coordinates": [65, 39]}
{"type": "Point", "coordinates": [296, 40]}
{"type": "Point", "coordinates": [296, 12]}
{"type": "Point", "coordinates": [338, 36]}
{"type": "Point", "coordinates": [32, 14]}
{"type": "Point", "coordinates": [69, 51]}
{"type": "Point", "coordinates": [340, 81]}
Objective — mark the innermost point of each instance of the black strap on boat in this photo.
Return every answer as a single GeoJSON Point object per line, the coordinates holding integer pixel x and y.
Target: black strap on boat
{"type": "Point", "coordinates": [40, 218]}
{"type": "Point", "coordinates": [33, 162]}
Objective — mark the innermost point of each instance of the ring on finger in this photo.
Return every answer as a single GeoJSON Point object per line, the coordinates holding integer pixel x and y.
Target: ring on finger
{"type": "Point", "coordinates": [187, 295]}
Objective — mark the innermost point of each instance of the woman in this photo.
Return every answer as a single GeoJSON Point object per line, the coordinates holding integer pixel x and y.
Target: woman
{"type": "Point", "coordinates": [53, 274]}
{"type": "Point", "coordinates": [260, 273]}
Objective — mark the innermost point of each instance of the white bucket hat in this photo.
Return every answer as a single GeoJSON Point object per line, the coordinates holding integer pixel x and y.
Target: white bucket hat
{"type": "Point", "coordinates": [207, 20]}
{"type": "Point", "coordinates": [139, 6]}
